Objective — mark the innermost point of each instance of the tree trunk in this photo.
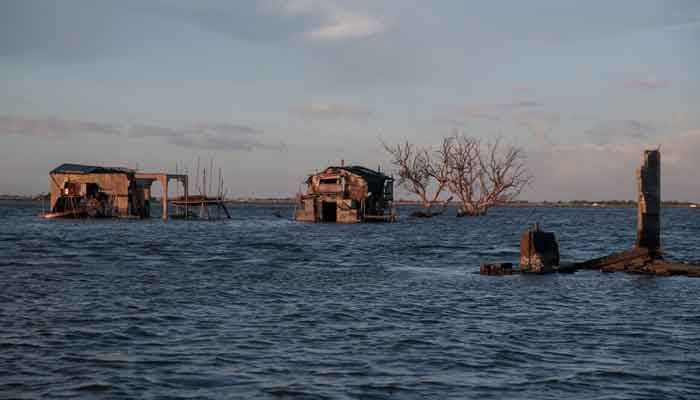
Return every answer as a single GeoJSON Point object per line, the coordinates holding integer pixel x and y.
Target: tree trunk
{"type": "Point", "coordinates": [472, 211]}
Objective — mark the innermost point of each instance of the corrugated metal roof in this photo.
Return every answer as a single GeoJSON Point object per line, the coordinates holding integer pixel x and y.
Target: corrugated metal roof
{"type": "Point", "coordinates": [375, 179]}
{"type": "Point", "coordinates": [88, 169]}
{"type": "Point", "coordinates": [364, 172]}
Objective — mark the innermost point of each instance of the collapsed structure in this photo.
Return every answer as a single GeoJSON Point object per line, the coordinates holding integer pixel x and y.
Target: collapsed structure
{"type": "Point", "coordinates": [347, 194]}
{"type": "Point", "coordinates": [88, 190]}
{"type": "Point", "coordinates": [647, 256]}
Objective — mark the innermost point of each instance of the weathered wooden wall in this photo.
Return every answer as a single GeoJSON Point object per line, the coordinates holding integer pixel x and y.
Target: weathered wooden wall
{"type": "Point", "coordinates": [114, 184]}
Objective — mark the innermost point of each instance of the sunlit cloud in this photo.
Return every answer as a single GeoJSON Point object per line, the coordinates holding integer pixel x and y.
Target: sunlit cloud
{"type": "Point", "coordinates": [347, 26]}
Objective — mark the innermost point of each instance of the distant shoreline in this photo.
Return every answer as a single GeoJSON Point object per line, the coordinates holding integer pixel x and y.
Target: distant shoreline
{"type": "Point", "coordinates": [402, 202]}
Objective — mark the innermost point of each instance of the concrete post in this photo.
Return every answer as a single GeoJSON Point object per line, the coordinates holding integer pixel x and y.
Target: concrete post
{"type": "Point", "coordinates": [539, 251]}
{"type": "Point", "coordinates": [649, 205]}
{"type": "Point", "coordinates": [164, 183]}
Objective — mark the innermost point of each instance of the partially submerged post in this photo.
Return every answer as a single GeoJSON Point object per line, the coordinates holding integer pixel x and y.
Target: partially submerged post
{"type": "Point", "coordinates": [539, 251]}
{"type": "Point", "coordinates": [649, 206]}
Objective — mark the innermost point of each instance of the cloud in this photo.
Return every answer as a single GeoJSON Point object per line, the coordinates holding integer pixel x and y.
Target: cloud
{"type": "Point", "coordinates": [513, 105]}
{"type": "Point", "coordinates": [522, 89]}
{"type": "Point", "coordinates": [539, 122]}
{"type": "Point", "coordinates": [647, 84]}
{"type": "Point", "coordinates": [607, 171]}
{"type": "Point", "coordinates": [208, 136]}
{"type": "Point", "coordinates": [203, 135]}
{"type": "Point", "coordinates": [218, 141]}
{"type": "Point", "coordinates": [490, 112]}
{"type": "Point", "coordinates": [48, 127]}
{"type": "Point", "coordinates": [347, 26]}
{"type": "Point", "coordinates": [480, 112]}
{"type": "Point", "coordinates": [226, 128]}
{"type": "Point", "coordinates": [332, 111]}
{"type": "Point", "coordinates": [624, 130]}
{"type": "Point", "coordinates": [144, 131]}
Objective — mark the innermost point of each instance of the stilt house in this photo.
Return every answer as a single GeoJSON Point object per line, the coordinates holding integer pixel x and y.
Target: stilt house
{"type": "Point", "coordinates": [348, 195]}
{"type": "Point", "coordinates": [95, 191]}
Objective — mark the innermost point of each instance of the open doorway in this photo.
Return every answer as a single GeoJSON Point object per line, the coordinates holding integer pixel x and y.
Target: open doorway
{"type": "Point", "coordinates": [329, 211]}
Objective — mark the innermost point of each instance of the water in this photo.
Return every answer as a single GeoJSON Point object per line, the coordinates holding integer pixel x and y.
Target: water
{"type": "Point", "coordinates": [262, 307]}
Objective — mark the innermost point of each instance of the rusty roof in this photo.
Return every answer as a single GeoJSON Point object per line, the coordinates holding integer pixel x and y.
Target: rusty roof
{"type": "Point", "coordinates": [68, 168]}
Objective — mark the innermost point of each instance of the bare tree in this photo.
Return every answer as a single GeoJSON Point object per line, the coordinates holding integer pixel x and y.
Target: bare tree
{"type": "Point", "coordinates": [423, 172]}
{"type": "Point", "coordinates": [485, 175]}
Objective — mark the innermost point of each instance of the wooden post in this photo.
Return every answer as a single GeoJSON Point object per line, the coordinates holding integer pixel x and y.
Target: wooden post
{"type": "Point", "coordinates": [649, 205]}
{"type": "Point", "coordinates": [187, 196]}
{"type": "Point", "coordinates": [164, 183]}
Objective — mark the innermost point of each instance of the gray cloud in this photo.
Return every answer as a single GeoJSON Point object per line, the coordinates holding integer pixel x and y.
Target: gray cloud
{"type": "Point", "coordinates": [332, 111]}
{"type": "Point", "coordinates": [647, 84]}
{"type": "Point", "coordinates": [65, 30]}
{"type": "Point", "coordinates": [208, 136]}
{"type": "Point", "coordinates": [144, 131]}
{"type": "Point", "coordinates": [621, 131]}
{"type": "Point", "coordinates": [203, 135]}
{"type": "Point", "coordinates": [48, 127]}
{"type": "Point", "coordinates": [225, 128]}
{"type": "Point", "coordinates": [222, 142]}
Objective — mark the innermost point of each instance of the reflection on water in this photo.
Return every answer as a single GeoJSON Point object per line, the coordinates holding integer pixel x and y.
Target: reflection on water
{"type": "Point", "coordinates": [260, 306]}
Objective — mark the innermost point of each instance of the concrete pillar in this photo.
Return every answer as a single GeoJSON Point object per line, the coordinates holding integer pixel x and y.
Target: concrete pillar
{"type": "Point", "coordinates": [164, 183]}
{"type": "Point", "coordinates": [649, 201]}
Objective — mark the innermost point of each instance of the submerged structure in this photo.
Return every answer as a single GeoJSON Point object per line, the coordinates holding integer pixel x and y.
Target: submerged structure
{"type": "Point", "coordinates": [347, 194]}
{"type": "Point", "coordinates": [646, 257]}
{"type": "Point", "coordinates": [95, 191]}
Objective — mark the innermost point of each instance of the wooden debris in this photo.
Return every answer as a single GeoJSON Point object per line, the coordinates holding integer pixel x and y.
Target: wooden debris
{"type": "Point", "coordinates": [497, 269]}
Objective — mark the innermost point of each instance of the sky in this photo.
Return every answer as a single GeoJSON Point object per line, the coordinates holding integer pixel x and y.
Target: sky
{"type": "Point", "coordinates": [273, 90]}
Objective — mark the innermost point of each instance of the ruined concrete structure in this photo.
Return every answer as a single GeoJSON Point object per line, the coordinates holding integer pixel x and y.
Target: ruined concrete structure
{"type": "Point", "coordinates": [348, 195]}
{"type": "Point", "coordinates": [95, 191]}
{"type": "Point", "coordinates": [649, 197]}
{"type": "Point", "coordinates": [539, 251]}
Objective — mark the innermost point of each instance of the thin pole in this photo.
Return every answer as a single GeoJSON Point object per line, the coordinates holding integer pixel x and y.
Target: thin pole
{"type": "Point", "coordinates": [211, 174]}
{"type": "Point", "coordinates": [196, 180]}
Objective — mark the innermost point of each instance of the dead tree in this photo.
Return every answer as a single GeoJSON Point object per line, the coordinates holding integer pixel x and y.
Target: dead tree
{"type": "Point", "coordinates": [423, 172]}
{"type": "Point", "coordinates": [482, 176]}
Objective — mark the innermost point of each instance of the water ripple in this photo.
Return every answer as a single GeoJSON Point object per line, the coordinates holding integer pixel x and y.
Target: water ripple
{"type": "Point", "coordinates": [261, 307]}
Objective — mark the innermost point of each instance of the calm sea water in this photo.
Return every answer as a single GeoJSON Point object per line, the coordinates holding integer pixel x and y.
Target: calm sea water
{"type": "Point", "coordinates": [262, 307]}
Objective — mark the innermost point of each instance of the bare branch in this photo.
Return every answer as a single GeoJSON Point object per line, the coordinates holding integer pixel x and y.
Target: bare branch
{"type": "Point", "coordinates": [485, 175]}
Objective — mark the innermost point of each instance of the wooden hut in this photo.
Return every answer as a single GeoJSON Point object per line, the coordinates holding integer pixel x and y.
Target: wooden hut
{"type": "Point", "coordinates": [88, 190]}
{"type": "Point", "coordinates": [347, 195]}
